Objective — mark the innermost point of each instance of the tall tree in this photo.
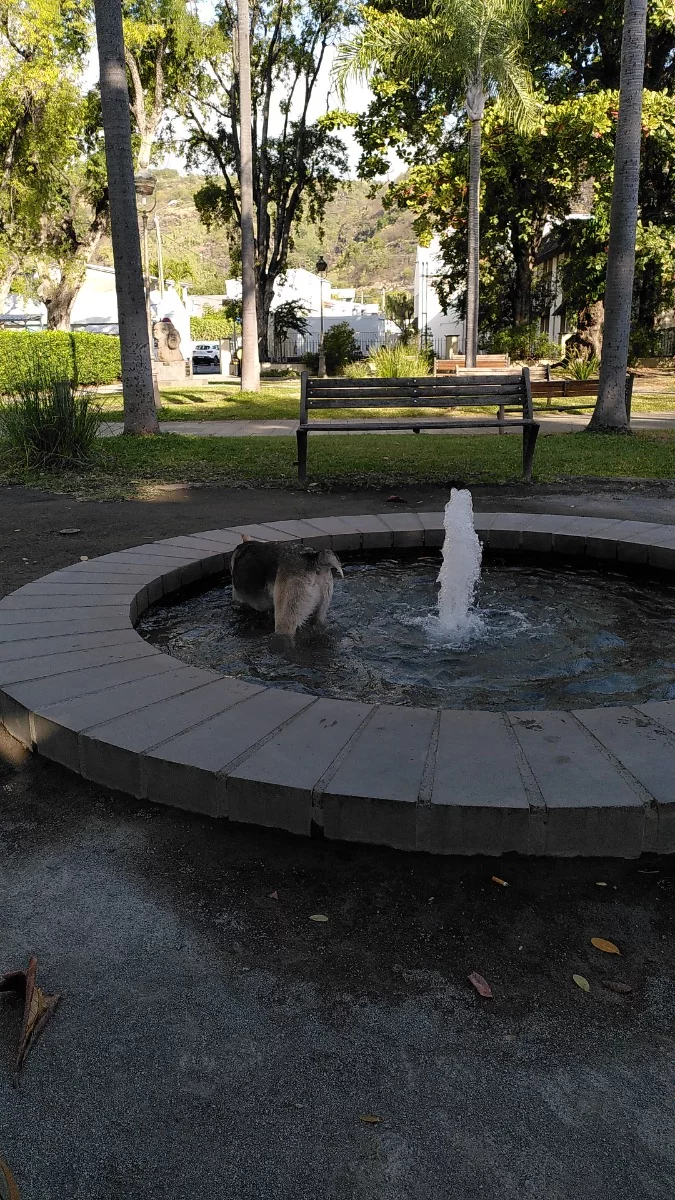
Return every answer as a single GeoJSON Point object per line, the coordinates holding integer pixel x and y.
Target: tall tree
{"type": "Point", "coordinates": [140, 415]}
{"type": "Point", "coordinates": [250, 361]}
{"type": "Point", "coordinates": [477, 41]}
{"type": "Point", "coordinates": [297, 161]}
{"type": "Point", "coordinates": [610, 411]}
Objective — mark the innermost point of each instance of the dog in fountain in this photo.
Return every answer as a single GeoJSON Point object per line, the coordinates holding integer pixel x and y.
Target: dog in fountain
{"type": "Point", "coordinates": [294, 581]}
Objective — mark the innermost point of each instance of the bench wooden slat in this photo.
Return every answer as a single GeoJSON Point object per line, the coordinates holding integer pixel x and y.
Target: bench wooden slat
{"type": "Point", "coordinates": [411, 423]}
{"type": "Point", "coordinates": [482, 399]}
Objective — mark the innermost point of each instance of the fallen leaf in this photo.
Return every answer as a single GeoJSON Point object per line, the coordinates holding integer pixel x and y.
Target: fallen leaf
{"type": "Point", "coordinates": [481, 985]}
{"type": "Point", "coordinates": [605, 946]}
{"type": "Point", "coordinates": [8, 1188]}
{"type": "Point", "coordinates": [394, 499]}
{"type": "Point", "coordinates": [38, 1007]}
{"type": "Point", "coordinates": [600, 884]}
{"type": "Point", "coordinates": [501, 882]}
{"type": "Point", "coordinates": [84, 558]}
{"type": "Point", "coordinates": [68, 532]}
{"type": "Point", "coordinates": [614, 985]}
{"type": "Point", "coordinates": [582, 983]}
{"type": "Point", "coordinates": [368, 1119]}
{"type": "Point", "coordinates": [318, 917]}
{"type": "Point", "coordinates": [648, 871]}
{"type": "Point", "coordinates": [274, 895]}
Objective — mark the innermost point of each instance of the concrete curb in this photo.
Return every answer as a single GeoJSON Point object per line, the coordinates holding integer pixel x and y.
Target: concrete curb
{"type": "Point", "coordinates": [81, 687]}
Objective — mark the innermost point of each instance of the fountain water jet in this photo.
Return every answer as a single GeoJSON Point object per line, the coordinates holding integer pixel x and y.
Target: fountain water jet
{"type": "Point", "coordinates": [460, 570]}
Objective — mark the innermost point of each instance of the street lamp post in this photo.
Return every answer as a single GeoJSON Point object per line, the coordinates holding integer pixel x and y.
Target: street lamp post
{"type": "Point", "coordinates": [146, 192]}
{"type": "Point", "coordinates": [321, 268]}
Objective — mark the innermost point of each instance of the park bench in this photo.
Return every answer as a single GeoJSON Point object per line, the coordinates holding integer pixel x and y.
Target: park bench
{"type": "Point", "coordinates": [424, 392]}
{"type": "Point", "coordinates": [488, 362]}
{"type": "Point", "coordinates": [580, 393]}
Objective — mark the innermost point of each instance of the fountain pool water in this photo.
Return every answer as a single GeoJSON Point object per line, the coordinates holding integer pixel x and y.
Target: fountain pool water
{"type": "Point", "coordinates": [544, 636]}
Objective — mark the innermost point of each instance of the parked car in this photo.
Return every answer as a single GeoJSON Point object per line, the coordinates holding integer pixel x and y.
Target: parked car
{"type": "Point", "coordinates": [206, 354]}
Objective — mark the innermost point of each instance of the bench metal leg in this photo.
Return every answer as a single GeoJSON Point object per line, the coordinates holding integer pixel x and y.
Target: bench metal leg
{"type": "Point", "coordinates": [530, 434]}
{"type": "Point", "coordinates": [301, 435]}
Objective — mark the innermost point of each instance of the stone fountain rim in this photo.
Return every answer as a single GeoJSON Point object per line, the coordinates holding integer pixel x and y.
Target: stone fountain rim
{"type": "Point", "coordinates": [79, 685]}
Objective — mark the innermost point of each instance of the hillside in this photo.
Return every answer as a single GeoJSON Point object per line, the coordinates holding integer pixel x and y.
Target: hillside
{"type": "Point", "coordinates": [365, 246]}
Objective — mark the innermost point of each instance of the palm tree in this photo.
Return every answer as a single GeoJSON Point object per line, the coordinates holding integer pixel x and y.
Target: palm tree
{"type": "Point", "coordinates": [140, 414]}
{"type": "Point", "coordinates": [476, 41]}
{"type": "Point", "coordinates": [610, 411]}
{"type": "Point", "coordinates": [250, 361]}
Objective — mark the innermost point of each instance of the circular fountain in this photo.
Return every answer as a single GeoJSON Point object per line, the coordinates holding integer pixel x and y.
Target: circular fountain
{"type": "Point", "coordinates": [405, 767]}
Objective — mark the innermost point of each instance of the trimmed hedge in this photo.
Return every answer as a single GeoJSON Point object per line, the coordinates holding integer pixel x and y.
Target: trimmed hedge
{"type": "Point", "coordinates": [84, 358]}
{"type": "Point", "coordinates": [211, 329]}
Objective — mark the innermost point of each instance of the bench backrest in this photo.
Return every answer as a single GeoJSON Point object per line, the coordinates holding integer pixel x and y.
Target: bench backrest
{"type": "Point", "coordinates": [556, 388]}
{"type": "Point", "coordinates": [426, 391]}
{"type": "Point", "coordinates": [448, 366]}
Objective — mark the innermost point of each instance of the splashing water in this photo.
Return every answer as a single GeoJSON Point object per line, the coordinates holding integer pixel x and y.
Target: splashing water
{"type": "Point", "coordinates": [460, 570]}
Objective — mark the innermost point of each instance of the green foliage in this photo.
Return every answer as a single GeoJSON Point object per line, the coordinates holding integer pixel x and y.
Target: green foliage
{"type": "Point", "coordinates": [399, 307]}
{"type": "Point", "coordinates": [340, 348]}
{"type": "Point", "coordinates": [289, 317]}
{"type": "Point", "coordinates": [48, 424]}
{"type": "Point", "coordinates": [525, 343]}
{"type": "Point", "coordinates": [83, 358]}
{"type": "Point", "coordinates": [393, 362]}
{"type": "Point", "coordinates": [582, 366]}
{"type": "Point", "coordinates": [211, 328]}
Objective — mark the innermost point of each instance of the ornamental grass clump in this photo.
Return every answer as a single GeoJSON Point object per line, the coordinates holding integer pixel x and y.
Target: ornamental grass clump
{"type": "Point", "coordinates": [48, 423]}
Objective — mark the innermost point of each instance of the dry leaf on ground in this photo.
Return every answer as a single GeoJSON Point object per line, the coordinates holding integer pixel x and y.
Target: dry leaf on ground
{"type": "Point", "coordinates": [274, 895]}
{"type": "Point", "coordinates": [481, 985]}
{"type": "Point", "coordinates": [605, 946]}
{"type": "Point", "coordinates": [501, 882]}
{"type": "Point", "coordinates": [8, 1188]}
{"type": "Point", "coordinates": [615, 985]}
{"type": "Point", "coordinates": [318, 917]}
{"type": "Point", "coordinates": [368, 1119]}
{"type": "Point", "coordinates": [600, 883]}
{"type": "Point", "coordinates": [38, 1007]}
{"type": "Point", "coordinates": [582, 983]}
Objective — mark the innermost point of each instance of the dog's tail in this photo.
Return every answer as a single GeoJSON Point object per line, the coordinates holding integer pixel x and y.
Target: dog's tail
{"type": "Point", "coordinates": [326, 558]}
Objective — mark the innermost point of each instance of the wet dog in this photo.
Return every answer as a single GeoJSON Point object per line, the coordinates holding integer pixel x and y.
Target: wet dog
{"type": "Point", "coordinates": [294, 581]}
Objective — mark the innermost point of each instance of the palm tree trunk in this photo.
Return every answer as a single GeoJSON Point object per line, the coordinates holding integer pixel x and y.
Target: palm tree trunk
{"type": "Point", "coordinates": [475, 103]}
{"type": "Point", "coordinates": [610, 411]}
{"type": "Point", "coordinates": [250, 361]}
{"type": "Point", "coordinates": [140, 415]}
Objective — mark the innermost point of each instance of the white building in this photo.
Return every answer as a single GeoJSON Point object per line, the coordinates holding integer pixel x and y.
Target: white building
{"type": "Point", "coordinates": [95, 308]}
{"type": "Point", "coordinates": [444, 330]}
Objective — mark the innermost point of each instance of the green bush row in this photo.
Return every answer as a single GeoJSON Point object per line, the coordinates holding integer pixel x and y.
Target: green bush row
{"type": "Point", "coordinates": [210, 329]}
{"type": "Point", "coordinates": [84, 358]}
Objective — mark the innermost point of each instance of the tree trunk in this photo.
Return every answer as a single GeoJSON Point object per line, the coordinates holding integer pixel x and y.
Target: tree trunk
{"type": "Point", "coordinates": [59, 303]}
{"type": "Point", "coordinates": [587, 339]}
{"type": "Point", "coordinates": [475, 104]}
{"type": "Point", "coordinates": [250, 361]}
{"type": "Point", "coordinates": [610, 411]}
{"type": "Point", "coordinates": [140, 415]}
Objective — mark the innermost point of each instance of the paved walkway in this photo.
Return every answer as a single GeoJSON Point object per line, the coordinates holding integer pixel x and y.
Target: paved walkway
{"type": "Point", "coordinates": [553, 423]}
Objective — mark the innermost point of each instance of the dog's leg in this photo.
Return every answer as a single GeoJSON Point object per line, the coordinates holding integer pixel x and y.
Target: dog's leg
{"type": "Point", "coordinates": [326, 586]}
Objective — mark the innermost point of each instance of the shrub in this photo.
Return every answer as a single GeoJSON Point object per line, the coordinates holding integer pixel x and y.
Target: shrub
{"type": "Point", "coordinates": [392, 362]}
{"type": "Point", "coordinates": [582, 366]}
{"type": "Point", "coordinates": [525, 343]}
{"type": "Point", "coordinates": [340, 347]}
{"type": "Point", "coordinates": [86, 359]}
{"type": "Point", "coordinates": [211, 328]}
{"type": "Point", "coordinates": [48, 423]}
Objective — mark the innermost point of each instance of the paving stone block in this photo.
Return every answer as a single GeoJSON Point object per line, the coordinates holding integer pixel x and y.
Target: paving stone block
{"type": "Point", "coordinates": [38, 622]}
{"type": "Point", "coordinates": [343, 536]}
{"type": "Point", "coordinates": [478, 800]}
{"type": "Point", "coordinates": [87, 682]}
{"type": "Point", "coordinates": [407, 528]}
{"type": "Point", "coordinates": [268, 532]}
{"type": "Point", "coordinates": [375, 535]}
{"type": "Point", "coordinates": [647, 750]}
{"type": "Point", "coordinates": [274, 785]}
{"type": "Point", "coordinates": [56, 726]}
{"type": "Point", "coordinates": [590, 807]}
{"type": "Point", "coordinates": [303, 530]}
{"type": "Point", "coordinates": [25, 649]}
{"type": "Point", "coordinates": [189, 766]}
{"type": "Point", "coordinates": [163, 550]}
{"type": "Point", "coordinates": [16, 719]}
{"type": "Point", "coordinates": [120, 645]}
{"type": "Point", "coordinates": [44, 602]}
{"type": "Point", "coordinates": [432, 524]}
{"type": "Point", "coordinates": [110, 753]}
{"type": "Point", "coordinates": [210, 543]}
{"type": "Point", "coordinates": [373, 794]}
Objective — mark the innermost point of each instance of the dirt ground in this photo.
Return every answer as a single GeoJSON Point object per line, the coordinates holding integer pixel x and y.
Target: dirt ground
{"type": "Point", "coordinates": [214, 1042]}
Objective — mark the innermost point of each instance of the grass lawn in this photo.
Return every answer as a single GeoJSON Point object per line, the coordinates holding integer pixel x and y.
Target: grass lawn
{"type": "Point", "coordinates": [128, 467]}
{"type": "Point", "coordinates": [281, 401]}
